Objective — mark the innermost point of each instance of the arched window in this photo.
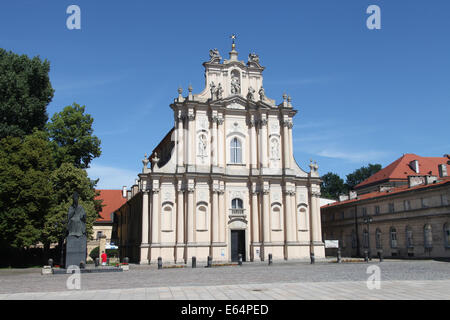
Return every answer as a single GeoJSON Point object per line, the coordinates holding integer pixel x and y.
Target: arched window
{"type": "Point", "coordinates": [166, 219]}
{"type": "Point", "coordinates": [365, 239]}
{"type": "Point", "coordinates": [393, 238]}
{"type": "Point", "coordinates": [236, 151]}
{"type": "Point", "coordinates": [378, 239]}
{"type": "Point", "coordinates": [276, 217]}
{"type": "Point", "coordinates": [428, 236]}
{"type": "Point", "coordinates": [409, 237]}
{"type": "Point", "coordinates": [202, 218]}
{"type": "Point", "coordinates": [237, 203]}
{"type": "Point", "coordinates": [447, 235]}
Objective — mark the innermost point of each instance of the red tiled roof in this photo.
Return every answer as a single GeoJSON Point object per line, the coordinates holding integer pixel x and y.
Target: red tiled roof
{"type": "Point", "coordinates": [113, 200]}
{"type": "Point", "coordinates": [395, 190]}
{"type": "Point", "coordinates": [400, 169]}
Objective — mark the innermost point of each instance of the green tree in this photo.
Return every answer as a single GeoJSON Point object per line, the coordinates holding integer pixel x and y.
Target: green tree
{"type": "Point", "coordinates": [71, 132]}
{"type": "Point", "coordinates": [25, 92]}
{"type": "Point", "coordinates": [361, 174]}
{"type": "Point", "coordinates": [25, 188]}
{"type": "Point", "coordinates": [332, 186]}
{"type": "Point", "coordinates": [65, 180]}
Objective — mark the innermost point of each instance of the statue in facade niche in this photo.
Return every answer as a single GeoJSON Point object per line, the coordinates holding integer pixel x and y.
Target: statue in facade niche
{"type": "Point", "coordinates": [202, 146]}
{"type": "Point", "coordinates": [250, 94]}
{"type": "Point", "coordinates": [219, 91]}
{"type": "Point", "coordinates": [235, 84]}
{"type": "Point", "coordinates": [213, 89]}
{"type": "Point", "coordinates": [274, 149]}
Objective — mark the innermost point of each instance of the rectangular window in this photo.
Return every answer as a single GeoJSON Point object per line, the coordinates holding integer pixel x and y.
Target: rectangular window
{"type": "Point", "coordinates": [342, 215]}
{"type": "Point", "coordinates": [377, 209]}
{"type": "Point", "coordinates": [364, 212]}
{"type": "Point", "coordinates": [444, 200]}
{"type": "Point", "coordinates": [391, 207]}
{"type": "Point", "coordinates": [406, 205]}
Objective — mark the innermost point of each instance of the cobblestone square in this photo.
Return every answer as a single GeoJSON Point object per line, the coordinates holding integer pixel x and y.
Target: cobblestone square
{"type": "Point", "coordinates": [252, 281]}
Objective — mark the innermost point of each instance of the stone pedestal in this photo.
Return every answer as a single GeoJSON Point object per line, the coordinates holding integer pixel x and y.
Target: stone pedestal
{"type": "Point", "coordinates": [76, 251]}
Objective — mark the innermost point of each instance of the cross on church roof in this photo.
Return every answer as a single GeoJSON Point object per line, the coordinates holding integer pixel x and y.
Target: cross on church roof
{"type": "Point", "coordinates": [233, 37]}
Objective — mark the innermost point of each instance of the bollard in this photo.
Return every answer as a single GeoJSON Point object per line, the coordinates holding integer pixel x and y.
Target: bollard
{"type": "Point", "coordinates": [96, 262]}
{"type": "Point", "coordinates": [50, 262]}
{"type": "Point", "coordinates": [339, 255]}
{"type": "Point", "coordinates": [240, 259]}
{"type": "Point", "coordinates": [209, 262]}
{"type": "Point", "coordinates": [159, 263]}
{"type": "Point", "coordinates": [312, 258]}
{"type": "Point", "coordinates": [366, 256]}
{"type": "Point", "coordinates": [194, 262]}
{"type": "Point", "coordinates": [270, 259]}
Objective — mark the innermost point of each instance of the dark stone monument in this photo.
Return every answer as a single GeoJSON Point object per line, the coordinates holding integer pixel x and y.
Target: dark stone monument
{"type": "Point", "coordinates": [76, 245]}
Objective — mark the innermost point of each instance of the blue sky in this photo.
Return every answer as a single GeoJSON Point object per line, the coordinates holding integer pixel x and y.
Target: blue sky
{"type": "Point", "coordinates": [363, 96]}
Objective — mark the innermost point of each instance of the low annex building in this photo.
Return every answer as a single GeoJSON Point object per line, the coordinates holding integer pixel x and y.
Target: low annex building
{"type": "Point", "coordinates": [404, 211]}
{"type": "Point", "coordinates": [224, 182]}
{"type": "Point", "coordinates": [103, 226]}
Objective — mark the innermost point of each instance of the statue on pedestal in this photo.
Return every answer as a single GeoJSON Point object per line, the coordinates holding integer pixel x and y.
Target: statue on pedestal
{"type": "Point", "coordinates": [76, 250]}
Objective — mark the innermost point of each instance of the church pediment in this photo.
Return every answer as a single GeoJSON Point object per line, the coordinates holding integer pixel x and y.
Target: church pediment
{"type": "Point", "coordinates": [234, 102]}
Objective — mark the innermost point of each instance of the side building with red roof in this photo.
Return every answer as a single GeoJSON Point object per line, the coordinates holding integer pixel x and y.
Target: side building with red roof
{"type": "Point", "coordinates": [112, 201]}
{"type": "Point", "coordinates": [398, 217]}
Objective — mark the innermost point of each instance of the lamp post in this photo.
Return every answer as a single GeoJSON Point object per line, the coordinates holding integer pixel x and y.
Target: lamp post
{"type": "Point", "coordinates": [368, 220]}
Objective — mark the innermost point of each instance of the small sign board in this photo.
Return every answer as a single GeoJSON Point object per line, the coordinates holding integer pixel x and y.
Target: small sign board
{"type": "Point", "coordinates": [331, 243]}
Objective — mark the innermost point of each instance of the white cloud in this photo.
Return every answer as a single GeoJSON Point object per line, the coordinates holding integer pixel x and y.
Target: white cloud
{"type": "Point", "coordinates": [111, 177]}
{"type": "Point", "coordinates": [353, 156]}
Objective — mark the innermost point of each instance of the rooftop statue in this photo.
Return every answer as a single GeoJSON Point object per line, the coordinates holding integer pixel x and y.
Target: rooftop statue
{"type": "Point", "coordinates": [214, 56]}
{"type": "Point", "coordinates": [253, 57]}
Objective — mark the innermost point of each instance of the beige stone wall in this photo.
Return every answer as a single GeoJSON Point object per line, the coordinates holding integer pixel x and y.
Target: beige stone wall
{"type": "Point", "coordinates": [413, 209]}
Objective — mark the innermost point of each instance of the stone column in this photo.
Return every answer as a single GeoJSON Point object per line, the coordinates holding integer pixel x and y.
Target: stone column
{"type": "Point", "coordinates": [180, 138]}
{"type": "Point", "coordinates": [215, 216]}
{"type": "Point", "coordinates": [155, 216]}
{"type": "Point", "coordinates": [215, 139]}
{"type": "Point", "coordinates": [286, 149]}
{"type": "Point", "coordinates": [145, 214]}
{"type": "Point", "coordinates": [314, 217]}
{"type": "Point", "coordinates": [180, 216]}
{"type": "Point", "coordinates": [255, 217]}
{"type": "Point", "coordinates": [190, 217]}
{"type": "Point", "coordinates": [253, 144]}
{"type": "Point", "coordinates": [263, 143]}
{"type": "Point", "coordinates": [266, 216]}
{"type": "Point", "coordinates": [191, 139]}
{"type": "Point", "coordinates": [291, 150]}
{"type": "Point", "coordinates": [221, 142]}
{"type": "Point", "coordinates": [222, 215]}
{"type": "Point", "coordinates": [288, 220]}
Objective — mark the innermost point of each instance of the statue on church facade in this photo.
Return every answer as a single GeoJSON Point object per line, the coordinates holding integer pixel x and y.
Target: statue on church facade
{"type": "Point", "coordinates": [213, 90]}
{"type": "Point", "coordinates": [219, 91]}
{"type": "Point", "coordinates": [235, 83]}
{"type": "Point", "coordinates": [250, 93]}
{"type": "Point", "coordinates": [253, 57]}
{"type": "Point", "coordinates": [262, 94]}
{"type": "Point", "coordinates": [214, 56]}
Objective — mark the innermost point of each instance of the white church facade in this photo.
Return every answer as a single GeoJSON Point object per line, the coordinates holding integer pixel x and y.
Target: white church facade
{"type": "Point", "coordinates": [224, 181]}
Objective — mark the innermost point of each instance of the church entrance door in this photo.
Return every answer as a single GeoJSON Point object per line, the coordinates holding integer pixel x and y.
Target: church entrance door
{"type": "Point", "coordinates": [237, 244]}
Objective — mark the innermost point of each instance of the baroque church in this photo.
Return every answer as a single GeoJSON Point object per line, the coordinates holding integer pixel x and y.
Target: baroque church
{"type": "Point", "coordinates": [223, 182]}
